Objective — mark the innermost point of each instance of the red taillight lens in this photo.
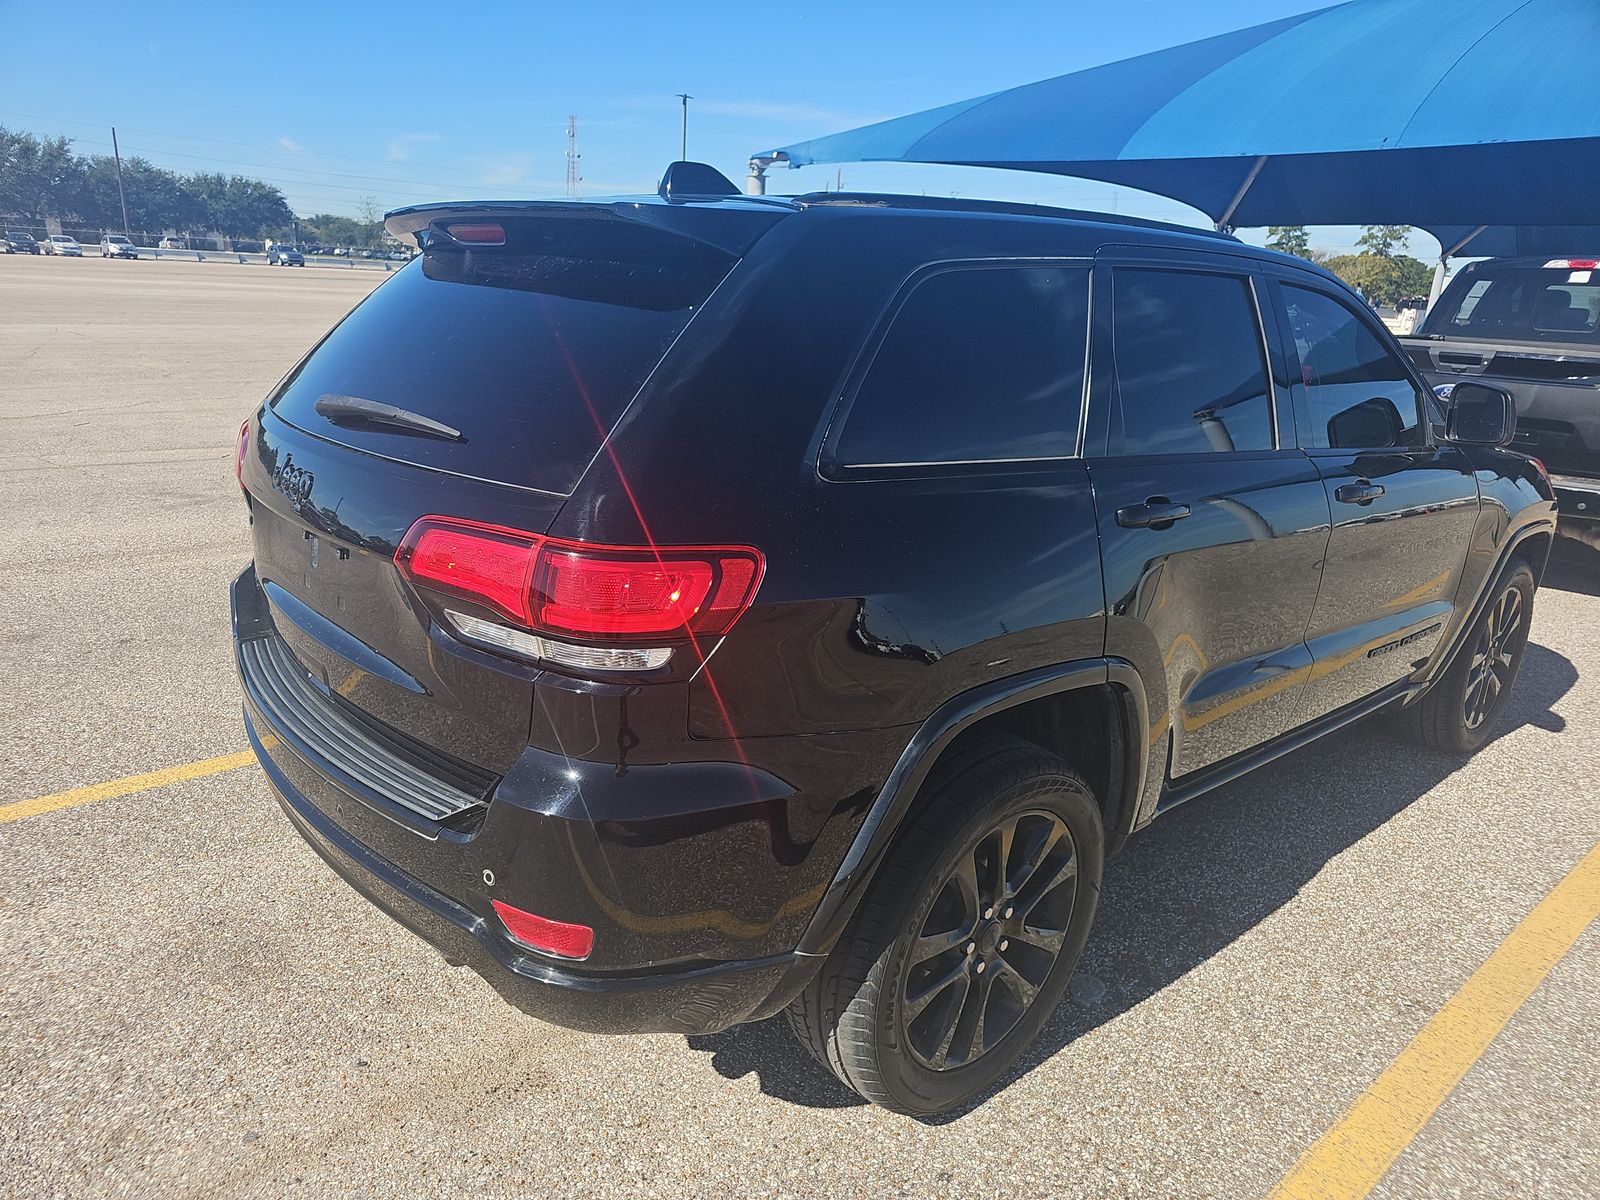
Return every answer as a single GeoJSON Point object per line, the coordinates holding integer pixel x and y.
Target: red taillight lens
{"type": "Point", "coordinates": [583, 593]}
{"type": "Point", "coordinates": [240, 450]}
{"type": "Point", "coordinates": [599, 593]}
{"type": "Point", "coordinates": [1574, 264]}
{"type": "Point", "coordinates": [540, 933]}
{"type": "Point", "coordinates": [479, 562]}
{"type": "Point", "coordinates": [478, 235]}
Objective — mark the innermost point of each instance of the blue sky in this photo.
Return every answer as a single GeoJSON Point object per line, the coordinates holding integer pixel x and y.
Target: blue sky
{"type": "Point", "coordinates": [414, 102]}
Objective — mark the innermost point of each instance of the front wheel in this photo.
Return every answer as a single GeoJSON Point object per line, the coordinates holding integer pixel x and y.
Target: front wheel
{"type": "Point", "coordinates": [1459, 712]}
{"type": "Point", "coordinates": [965, 944]}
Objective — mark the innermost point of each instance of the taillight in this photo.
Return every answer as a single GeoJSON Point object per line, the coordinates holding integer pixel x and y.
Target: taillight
{"type": "Point", "coordinates": [240, 450]}
{"type": "Point", "coordinates": [560, 938]}
{"type": "Point", "coordinates": [483, 234]}
{"type": "Point", "coordinates": [621, 596]}
{"type": "Point", "coordinates": [1574, 264]}
{"type": "Point", "coordinates": [1539, 466]}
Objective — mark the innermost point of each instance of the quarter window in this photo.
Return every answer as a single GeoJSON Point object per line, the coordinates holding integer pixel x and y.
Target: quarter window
{"type": "Point", "coordinates": [1358, 395]}
{"type": "Point", "coordinates": [1190, 372]}
{"type": "Point", "coordinates": [978, 364]}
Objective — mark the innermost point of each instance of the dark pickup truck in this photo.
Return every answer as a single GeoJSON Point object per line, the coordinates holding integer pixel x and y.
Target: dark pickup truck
{"type": "Point", "coordinates": [1531, 326]}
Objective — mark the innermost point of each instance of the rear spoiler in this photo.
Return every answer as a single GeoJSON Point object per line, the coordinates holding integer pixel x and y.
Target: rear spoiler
{"type": "Point", "coordinates": [731, 225]}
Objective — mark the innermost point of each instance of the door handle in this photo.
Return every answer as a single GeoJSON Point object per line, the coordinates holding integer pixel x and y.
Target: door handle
{"type": "Point", "coordinates": [1363, 491]}
{"type": "Point", "coordinates": [1155, 513]}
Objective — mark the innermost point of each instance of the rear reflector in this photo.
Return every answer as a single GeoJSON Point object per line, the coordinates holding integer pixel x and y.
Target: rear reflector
{"type": "Point", "coordinates": [615, 595]}
{"type": "Point", "coordinates": [544, 935]}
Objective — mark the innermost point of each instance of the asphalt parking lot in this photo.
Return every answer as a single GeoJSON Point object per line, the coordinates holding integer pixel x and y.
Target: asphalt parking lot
{"type": "Point", "coordinates": [191, 1004]}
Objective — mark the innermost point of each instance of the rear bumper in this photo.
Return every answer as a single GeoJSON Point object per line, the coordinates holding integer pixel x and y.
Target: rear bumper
{"type": "Point", "coordinates": [665, 961]}
{"type": "Point", "coordinates": [702, 999]}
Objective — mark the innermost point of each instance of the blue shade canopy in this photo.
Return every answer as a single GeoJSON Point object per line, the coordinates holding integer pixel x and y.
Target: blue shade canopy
{"type": "Point", "coordinates": [1438, 113]}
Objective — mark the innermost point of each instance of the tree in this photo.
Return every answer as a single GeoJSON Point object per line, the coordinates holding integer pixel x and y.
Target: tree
{"type": "Point", "coordinates": [240, 207]}
{"type": "Point", "coordinates": [38, 176]}
{"type": "Point", "coordinates": [1416, 276]}
{"type": "Point", "coordinates": [1381, 240]}
{"type": "Point", "coordinates": [1383, 279]}
{"type": "Point", "coordinates": [42, 177]}
{"type": "Point", "coordinates": [1289, 239]}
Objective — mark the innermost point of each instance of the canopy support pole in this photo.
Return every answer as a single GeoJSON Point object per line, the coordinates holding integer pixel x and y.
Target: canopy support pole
{"type": "Point", "coordinates": [1224, 222]}
{"type": "Point", "coordinates": [1444, 264]}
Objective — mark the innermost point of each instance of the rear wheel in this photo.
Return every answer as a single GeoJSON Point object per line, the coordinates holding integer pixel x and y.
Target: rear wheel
{"type": "Point", "coordinates": [1458, 713]}
{"type": "Point", "coordinates": [967, 940]}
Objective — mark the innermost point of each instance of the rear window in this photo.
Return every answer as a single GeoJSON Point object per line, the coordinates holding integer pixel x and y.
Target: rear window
{"type": "Point", "coordinates": [532, 350]}
{"type": "Point", "coordinates": [1522, 304]}
{"type": "Point", "coordinates": [979, 365]}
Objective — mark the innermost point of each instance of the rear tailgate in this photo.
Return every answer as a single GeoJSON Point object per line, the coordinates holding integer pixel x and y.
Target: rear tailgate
{"type": "Point", "coordinates": [1557, 391]}
{"type": "Point", "coordinates": [525, 352]}
{"type": "Point", "coordinates": [1533, 327]}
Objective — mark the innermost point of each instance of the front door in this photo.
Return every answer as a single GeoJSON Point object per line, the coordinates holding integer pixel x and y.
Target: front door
{"type": "Point", "coordinates": [1404, 505]}
{"type": "Point", "coordinates": [1212, 524]}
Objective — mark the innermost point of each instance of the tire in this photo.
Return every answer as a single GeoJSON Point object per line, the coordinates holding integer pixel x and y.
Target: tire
{"type": "Point", "coordinates": [888, 1013]}
{"type": "Point", "coordinates": [1458, 713]}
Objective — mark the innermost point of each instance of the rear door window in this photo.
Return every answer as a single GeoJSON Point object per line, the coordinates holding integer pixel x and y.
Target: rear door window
{"type": "Point", "coordinates": [978, 364]}
{"type": "Point", "coordinates": [532, 350]}
{"type": "Point", "coordinates": [1356, 393]}
{"type": "Point", "coordinates": [1190, 367]}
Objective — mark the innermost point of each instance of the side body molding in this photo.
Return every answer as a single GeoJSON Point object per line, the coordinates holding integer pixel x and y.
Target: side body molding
{"type": "Point", "coordinates": [961, 712]}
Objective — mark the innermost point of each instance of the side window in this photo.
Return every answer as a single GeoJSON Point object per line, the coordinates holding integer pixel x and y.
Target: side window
{"type": "Point", "coordinates": [1190, 371]}
{"type": "Point", "coordinates": [1358, 395]}
{"type": "Point", "coordinates": [978, 364]}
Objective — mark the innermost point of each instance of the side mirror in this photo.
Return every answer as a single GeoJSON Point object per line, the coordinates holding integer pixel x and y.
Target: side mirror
{"type": "Point", "coordinates": [1480, 415]}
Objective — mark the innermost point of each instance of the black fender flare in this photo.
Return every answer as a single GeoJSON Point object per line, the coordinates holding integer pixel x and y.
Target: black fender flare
{"type": "Point", "coordinates": [894, 799]}
{"type": "Point", "coordinates": [1440, 662]}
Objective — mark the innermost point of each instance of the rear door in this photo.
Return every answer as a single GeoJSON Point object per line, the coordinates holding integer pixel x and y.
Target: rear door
{"type": "Point", "coordinates": [1212, 525]}
{"type": "Point", "coordinates": [1404, 504]}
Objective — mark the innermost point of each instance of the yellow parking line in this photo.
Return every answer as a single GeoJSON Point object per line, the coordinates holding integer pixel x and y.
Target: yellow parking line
{"type": "Point", "coordinates": [123, 787]}
{"type": "Point", "coordinates": [1348, 1161]}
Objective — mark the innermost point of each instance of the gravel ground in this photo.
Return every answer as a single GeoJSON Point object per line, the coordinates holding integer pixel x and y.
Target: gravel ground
{"type": "Point", "coordinates": [191, 1004]}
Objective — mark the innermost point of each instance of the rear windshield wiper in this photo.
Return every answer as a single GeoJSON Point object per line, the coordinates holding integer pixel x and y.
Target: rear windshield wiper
{"type": "Point", "coordinates": [341, 409]}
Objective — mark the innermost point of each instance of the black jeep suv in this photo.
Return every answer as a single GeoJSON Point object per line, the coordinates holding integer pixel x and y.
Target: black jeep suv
{"type": "Point", "coordinates": [691, 608]}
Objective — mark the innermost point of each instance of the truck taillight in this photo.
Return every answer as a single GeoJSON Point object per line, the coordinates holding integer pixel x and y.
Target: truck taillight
{"type": "Point", "coordinates": [619, 596]}
{"type": "Point", "coordinates": [240, 450]}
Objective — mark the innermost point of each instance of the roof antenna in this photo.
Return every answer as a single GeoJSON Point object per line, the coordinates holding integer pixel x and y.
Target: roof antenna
{"type": "Point", "coordinates": [694, 181]}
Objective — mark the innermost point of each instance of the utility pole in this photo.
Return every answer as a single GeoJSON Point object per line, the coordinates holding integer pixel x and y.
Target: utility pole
{"type": "Point", "coordinates": [117, 154]}
{"type": "Point", "coordinates": [683, 136]}
{"type": "Point", "coordinates": [573, 177]}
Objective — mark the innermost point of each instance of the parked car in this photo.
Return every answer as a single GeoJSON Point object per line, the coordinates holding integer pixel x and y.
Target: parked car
{"type": "Point", "coordinates": [285, 256]}
{"type": "Point", "coordinates": [666, 707]}
{"type": "Point", "coordinates": [1531, 326]}
{"type": "Point", "coordinates": [115, 245]}
{"type": "Point", "coordinates": [20, 241]}
{"type": "Point", "coordinates": [174, 243]}
{"type": "Point", "coordinates": [62, 244]}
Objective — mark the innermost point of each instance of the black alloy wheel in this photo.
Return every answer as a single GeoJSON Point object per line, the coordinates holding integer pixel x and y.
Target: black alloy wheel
{"type": "Point", "coordinates": [1493, 664]}
{"type": "Point", "coordinates": [989, 941]}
